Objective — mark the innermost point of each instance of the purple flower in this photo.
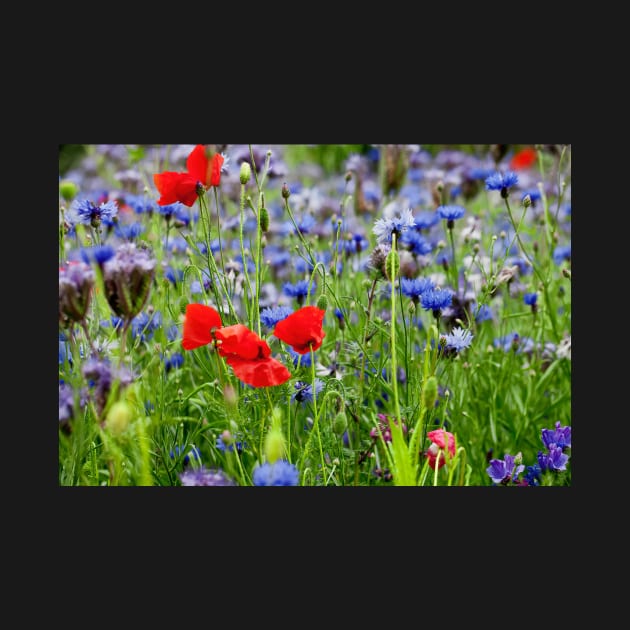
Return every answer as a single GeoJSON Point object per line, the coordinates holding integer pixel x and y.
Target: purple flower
{"type": "Point", "coordinates": [415, 287]}
{"type": "Point", "coordinates": [384, 228]}
{"type": "Point", "coordinates": [459, 339]}
{"type": "Point", "coordinates": [502, 182]}
{"type": "Point", "coordinates": [87, 213]}
{"type": "Point", "coordinates": [561, 437]}
{"type": "Point", "coordinates": [503, 471]}
{"type": "Point", "coordinates": [530, 299]}
{"type": "Point", "coordinates": [280, 473]}
{"type": "Point", "coordinates": [436, 299]}
{"type": "Point", "coordinates": [75, 290]}
{"type": "Point", "coordinates": [554, 460]}
{"type": "Point", "coordinates": [269, 317]}
{"type": "Point", "coordinates": [205, 477]}
{"type": "Point", "coordinates": [450, 213]}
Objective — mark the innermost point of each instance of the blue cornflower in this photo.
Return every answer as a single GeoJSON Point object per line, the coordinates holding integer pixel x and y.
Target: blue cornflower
{"type": "Point", "coordinates": [530, 299]}
{"type": "Point", "coordinates": [298, 290]}
{"type": "Point", "coordinates": [193, 452]}
{"type": "Point", "coordinates": [86, 212]}
{"type": "Point", "coordinates": [532, 475]}
{"type": "Point", "coordinates": [502, 182]}
{"type": "Point", "coordinates": [98, 254]}
{"type": "Point", "coordinates": [304, 360]}
{"type": "Point", "coordinates": [304, 391]}
{"type": "Point", "coordinates": [269, 317]}
{"type": "Point", "coordinates": [144, 325]}
{"type": "Point", "coordinates": [130, 231]}
{"type": "Point", "coordinates": [554, 460]}
{"type": "Point", "coordinates": [205, 477]}
{"type": "Point", "coordinates": [561, 436]}
{"type": "Point", "coordinates": [416, 243]}
{"type": "Point", "coordinates": [436, 299]}
{"type": "Point", "coordinates": [562, 252]}
{"type": "Point", "coordinates": [172, 332]}
{"type": "Point", "coordinates": [173, 275]}
{"type": "Point", "coordinates": [450, 213]}
{"type": "Point", "coordinates": [459, 339]}
{"type": "Point", "coordinates": [483, 314]}
{"type": "Point", "coordinates": [415, 287]}
{"type": "Point", "coordinates": [140, 204]}
{"type": "Point", "coordinates": [425, 220]}
{"type": "Point", "coordinates": [230, 445]}
{"type": "Point", "coordinates": [503, 471]}
{"type": "Point", "coordinates": [384, 228]}
{"type": "Point", "coordinates": [176, 360]}
{"type": "Point", "coordinates": [280, 473]}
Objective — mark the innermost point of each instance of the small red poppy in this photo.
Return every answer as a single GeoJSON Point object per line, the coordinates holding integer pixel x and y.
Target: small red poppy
{"type": "Point", "coordinates": [302, 330]}
{"type": "Point", "coordinates": [199, 322]}
{"type": "Point", "coordinates": [200, 171]}
{"type": "Point", "coordinates": [523, 159]}
{"type": "Point", "coordinates": [435, 452]}
{"type": "Point", "coordinates": [259, 372]}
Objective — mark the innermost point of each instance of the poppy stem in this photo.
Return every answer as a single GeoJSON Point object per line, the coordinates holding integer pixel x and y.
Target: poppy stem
{"type": "Point", "coordinates": [245, 270]}
{"type": "Point", "coordinates": [216, 200]}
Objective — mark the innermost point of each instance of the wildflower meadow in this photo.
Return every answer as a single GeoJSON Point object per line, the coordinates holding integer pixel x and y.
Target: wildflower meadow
{"type": "Point", "coordinates": [315, 315]}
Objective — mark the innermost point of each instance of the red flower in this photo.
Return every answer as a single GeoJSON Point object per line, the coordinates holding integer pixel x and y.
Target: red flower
{"type": "Point", "coordinates": [302, 330]}
{"type": "Point", "coordinates": [523, 159]}
{"type": "Point", "coordinates": [435, 452]}
{"type": "Point", "coordinates": [249, 357]}
{"type": "Point", "coordinates": [202, 173]}
{"type": "Point", "coordinates": [199, 322]}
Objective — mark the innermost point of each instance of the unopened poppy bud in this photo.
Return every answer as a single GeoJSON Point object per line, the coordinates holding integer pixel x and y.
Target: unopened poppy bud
{"type": "Point", "coordinates": [286, 193]}
{"type": "Point", "coordinates": [246, 171]}
{"type": "Point", "coordinates": [264, 219]}
{"type": "Point", "coordinates": [118, 417]}
{"type": "Point", "coordinates": [230, 395]}
{"type": "Point", "coordinates": [322, 302]}
{"type": "Point", "coordinates": [430, 392]}
{"type": "Point", "coordinates": [392, 264]}
{"type": "Point", "coordinates": [68, 189]}
{"type": "Point", "coordinates": [340, 423]}
{"type": "Point", "coordinates": [275, 447]}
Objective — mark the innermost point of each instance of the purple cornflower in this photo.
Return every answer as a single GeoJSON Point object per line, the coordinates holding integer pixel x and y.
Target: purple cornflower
{"type": "Point", "coordinates": [384, 228]}
{"type": "Point", "coordinates": [75, 291]}
{"type": "Point", "coordinates": [561, 437]}
{"type": "Point", "coordinates": [304, 391]}
{"type": "Point", "coordinates": [128, 277]}
{"type": "Point", "coordinates": [86, 212]}
{"type": "Point", "coordinates": [269, 317]}
{"type": "Point", "coordinates": [504, 471]}
{"type": "Point", "coordinates": [554, 460]}
{"type": "Point", "coordinates": [416, 243]}
{"type": "Point", "coordinates": [415, 287]}
{"type": "Point", "coordinates": [502, 182]}
{"type": "Point", "coordinates": [205, 477]}
{"type": "Point", "coordinates": [436, 299]}
{"type": "Point", "coordinates": [280, 473]}
{"type": "Point", "coordinates": [459, 339]}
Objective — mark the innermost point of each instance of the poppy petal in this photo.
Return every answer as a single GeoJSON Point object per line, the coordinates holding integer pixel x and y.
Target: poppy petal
{"type": "Point", "coordinates": [523, 159]}
{"type": "Point", "coordinates": [259, 373]}
{"type": "Point", "coordinates": [199, 321]}
{"type": "Point", "coordinates": [240, 341]}
{"type": "Point", "coordinates": [166, 184]}
{"type": "Point", "coordinates": [215, 169]}
{"type": "Point", "coordinates": [302, 330]}
{"type": "Point", "coordinates": [197, 164]}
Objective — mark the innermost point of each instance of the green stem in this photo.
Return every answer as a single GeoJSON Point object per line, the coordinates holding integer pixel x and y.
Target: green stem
{"type": "Point", "coordinates": [245, 271]}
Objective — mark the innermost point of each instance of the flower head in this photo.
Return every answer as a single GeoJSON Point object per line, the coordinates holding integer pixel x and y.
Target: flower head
{"type": "Point", "coordinates": [436, 299]}
{"type": "Point", "coordinates": [450, 213]}
{"type": "Point", "coordinates": [280, 473]}
{"type": "Point", "coordinates": [415, 287]}
{"type": "Point", "coordinates": [384, 228]}
{"type": "Point", "coordinates": [85, 212]}
{"type": "Point", "coordinates": [459, 339]}
{"type": "Point", "coordinates": [523, 159]}
{"type": "Point", "coordinates": [502, 182]}
{"type": "Point", "coordinates": [199, 322]}
{"type": "Point", "coordinates": [439, 440]}
{"type": "Point", "coordinates": [561, 437]}
{"type": "Point", "coordinates": [502, 471]}
{"type": "Point", "coordinates": [304, 391]}
{"type": "Point", "coordinates": [555, 459]}
{"type": "Point", "coordinates": [302, 330]}
{"type": "Point", "coordinates": [75, 291]}
{"type": "Point", "coordinates": [269, 317]}
{"type": "Point", "coordinates": [205, 477]}
{"type": "Point", "coordinates": [201, 173]}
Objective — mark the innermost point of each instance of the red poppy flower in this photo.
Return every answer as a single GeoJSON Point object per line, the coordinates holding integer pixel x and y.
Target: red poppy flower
{"type": "Point", "coordinates": [249, 357]}
{"type": "Point", "coordinates": [199, 321]}
{"type": "Point", "coordinates": [201, 171]}
{"type": "Point", "coordinates": [259, 372]}
{"type": "Point", "coordinates": [302, 330]}
{"type": "Point", "coordinates": [523, 159]}
{"type": "Point", "coordinates": [435, 452]}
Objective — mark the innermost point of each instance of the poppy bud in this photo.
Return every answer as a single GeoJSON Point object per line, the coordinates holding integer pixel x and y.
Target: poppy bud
{"type": "Point", "coordinates": [246, 171]}
{"type": "Point", "coordinates": [118, 417]}
{"type": "Point", "coordinates": [68, 189]}
{"type": "Point", "coordinates": [275, 447]}
{"type": "Point", "coordinates": [286, 193]}
{"type": "Point", "coordinates": [340, 423]}
{"type": "Point", "coordinates": [430, 392]}
{"type": "Point", "coordinates": [264, 219]}
{"type": "Point", "coordinates": [322, 302]}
